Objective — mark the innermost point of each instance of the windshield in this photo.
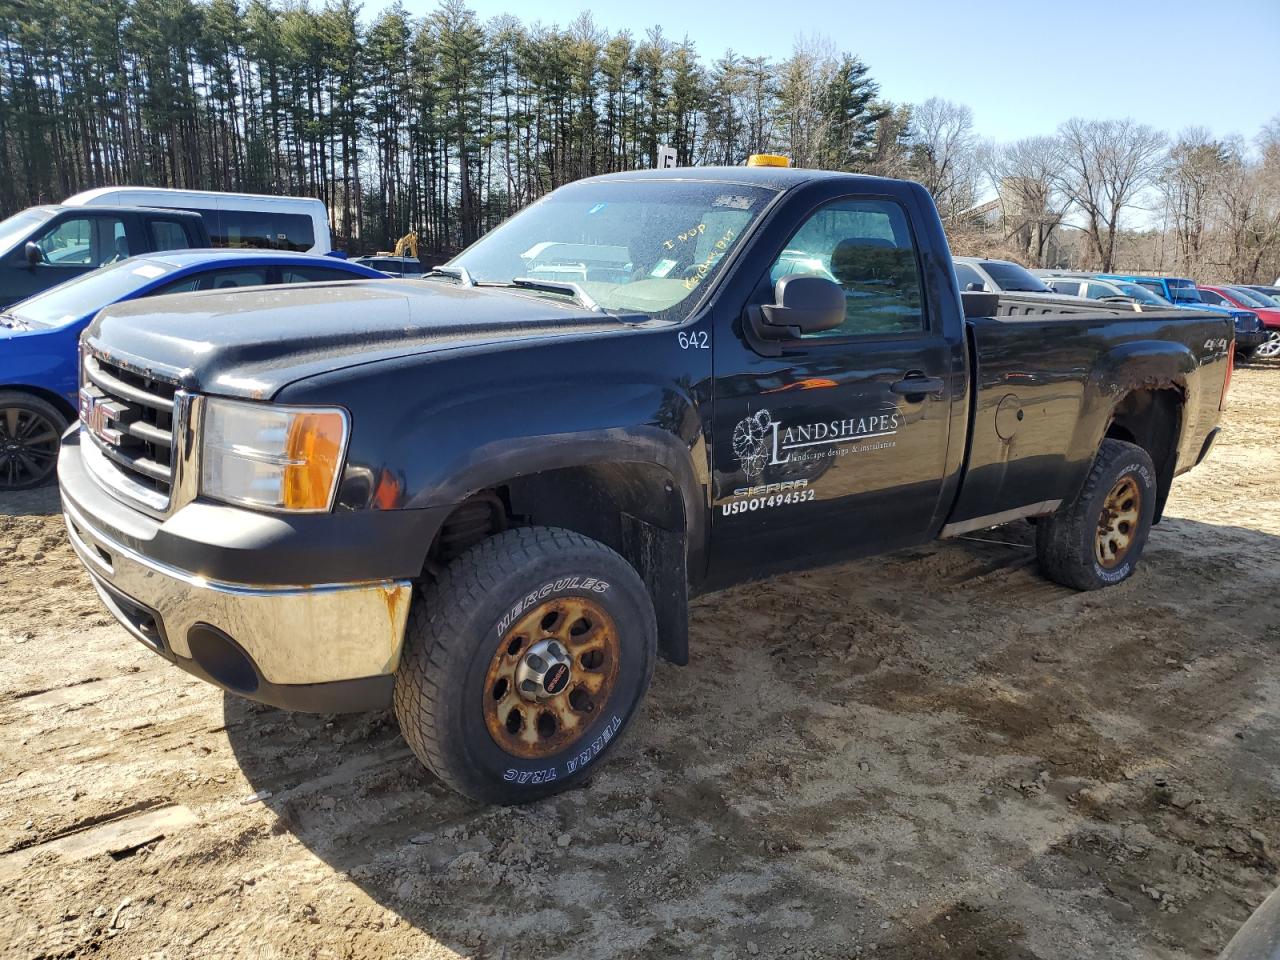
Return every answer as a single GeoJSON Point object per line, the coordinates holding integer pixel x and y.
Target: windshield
{"type": "Point", "coordinates": [1184, 291]}
{"type": "Point", "coordinates": [1267, 300]}
{"type": "Point", "coordinates": [629, 245]}
{"type": "Point", "coordinates": [1014, 278]}
{"type": "Point", "coordinates": [1249, 298]}
{"type": "Point", "coordinates": [89, 293]}
{"type": "Point", "coordinates": [18, 226]}
{"type": "Point", "coordinates": [1142, 295]}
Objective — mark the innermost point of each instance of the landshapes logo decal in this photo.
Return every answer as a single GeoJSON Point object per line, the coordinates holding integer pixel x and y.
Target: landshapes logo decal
{"type": "Point", "coordinates": [759, 441]}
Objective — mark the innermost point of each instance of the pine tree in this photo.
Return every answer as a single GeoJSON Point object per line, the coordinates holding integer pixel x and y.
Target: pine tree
{"type": "Point", "coordinates": [851, 115]}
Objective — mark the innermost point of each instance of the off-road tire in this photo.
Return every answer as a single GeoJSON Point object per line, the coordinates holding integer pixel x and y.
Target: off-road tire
{"type": "Point", "coordinates": [1066, 541]}
{"type": "Point", "coordinates": [32, 410]}
{"type": "Point", "coordinates": [459, 622]}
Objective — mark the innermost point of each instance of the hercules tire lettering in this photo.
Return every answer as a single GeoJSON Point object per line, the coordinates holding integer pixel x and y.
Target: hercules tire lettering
{"type": "Point", "coordinates": [454, 629]}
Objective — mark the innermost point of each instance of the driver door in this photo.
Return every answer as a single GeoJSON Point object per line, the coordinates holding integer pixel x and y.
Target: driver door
{"type": "Point", "coordinates": [838, 447]}
{"type": "Point", "coordinates": [70, 245]}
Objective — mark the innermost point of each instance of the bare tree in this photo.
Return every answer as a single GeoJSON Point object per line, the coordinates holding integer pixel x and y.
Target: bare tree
{"type": "Point", "coordinates": [1026, 174]}
{"type": "Point", "coordinates": [1107, 164]}
{"type": "Point", "coordinates": [1190, 181]}
{"type": "Point", "coordinates": [1250, 209]}
{"type": "Point", "coordinates": [803, 126]}
{"type": "Point", "coordinates": [944, 154]}
{"type": "Point", "coordinates": [890, 156]}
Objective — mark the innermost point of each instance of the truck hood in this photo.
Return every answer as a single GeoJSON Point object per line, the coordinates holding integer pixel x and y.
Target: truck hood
{"type": "Point", "coordinates": [254, 342]}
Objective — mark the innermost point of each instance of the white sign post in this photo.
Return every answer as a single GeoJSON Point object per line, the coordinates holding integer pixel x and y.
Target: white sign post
{"type": "Point", "coordinates": [666, 157]}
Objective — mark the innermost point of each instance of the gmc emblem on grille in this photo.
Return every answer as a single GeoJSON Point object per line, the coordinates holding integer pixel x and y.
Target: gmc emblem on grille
{"type": "Point", "coordinates": [98, 414]}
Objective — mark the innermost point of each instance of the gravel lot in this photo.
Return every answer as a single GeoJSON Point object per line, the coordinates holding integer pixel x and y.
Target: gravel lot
{"type": "Point", "coordinates": [930, 754]}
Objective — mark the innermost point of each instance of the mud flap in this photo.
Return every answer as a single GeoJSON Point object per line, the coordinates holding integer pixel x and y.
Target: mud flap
{"type": "Point", "coordinates": [660, 557]}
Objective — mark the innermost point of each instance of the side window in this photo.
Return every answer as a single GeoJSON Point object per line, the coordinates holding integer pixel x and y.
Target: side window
{"type": "Point", "coordinates": [226, 279]}
{"type": "Point", "coordinates": [1068, 288]}
{"type": "Point", "coordinates": [968, 278]}
{"type": "Point", "coordinates": [185, 285]}
{"type": "Point", "coordinates": [313, 275]}
{"type": "Point", "coordinates": [85, 242]}
{"type": "Point", "coordinates": [264, 230]}
{"type": "Point", "coordinates": [1208, 296]}
{"type": "Point", "coordinates": [865, 246]}
{"type": "Point", "coordinates": [234, 277]}
{"type": "Point", "coordinates": [169, 235]}
{"type": "Point", "coordinates": [1099, 291]}
{"type": "Point", "coordinates": [1153, 285]}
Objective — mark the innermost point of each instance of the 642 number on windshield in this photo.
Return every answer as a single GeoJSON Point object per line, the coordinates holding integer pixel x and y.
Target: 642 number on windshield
{"type": "Point", "coordinates": [693, 340]}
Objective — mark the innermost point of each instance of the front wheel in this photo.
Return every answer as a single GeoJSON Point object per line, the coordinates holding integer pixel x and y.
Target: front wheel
{"type": "Point", "coordinates": [1269, 347]}
{"type": "Point", "coordinates": [523, 662]}
{"type": "Point", "coordinates": [1097, 539]}
{"type": "Point", "coordinates": [30, 428]}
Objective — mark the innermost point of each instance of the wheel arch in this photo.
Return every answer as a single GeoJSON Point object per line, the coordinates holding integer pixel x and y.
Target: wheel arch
{"type": "Point", "coordinates": [1139, 392]}
{"type": "Point", "coordinates": [60, 402]}
{"type": "Point", "coordinates": [628, 489]}
{"type": "Point", "coordinates": [1151, 418]}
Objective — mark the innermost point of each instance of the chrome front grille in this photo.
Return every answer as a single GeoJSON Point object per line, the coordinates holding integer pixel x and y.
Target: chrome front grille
{"type": "Point", "coordinates": [129, 419]}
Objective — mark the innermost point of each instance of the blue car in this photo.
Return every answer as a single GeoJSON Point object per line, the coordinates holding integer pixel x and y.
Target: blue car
{"type": "Point", "coordinates": [39, 336]}
{"type": "Point", "coordinates": [1184, 293]}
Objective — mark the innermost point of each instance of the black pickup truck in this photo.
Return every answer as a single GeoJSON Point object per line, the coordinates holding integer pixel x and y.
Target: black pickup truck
{"type": "Point", "coordinates": [485, 497]}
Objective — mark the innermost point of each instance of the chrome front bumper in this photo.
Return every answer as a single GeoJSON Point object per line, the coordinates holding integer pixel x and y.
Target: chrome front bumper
{"type": "Point", "coordinates": [294, 635]}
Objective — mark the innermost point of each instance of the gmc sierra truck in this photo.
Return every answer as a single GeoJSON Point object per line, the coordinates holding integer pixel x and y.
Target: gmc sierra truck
{"type": "Point", "coordinates": [485, 497]}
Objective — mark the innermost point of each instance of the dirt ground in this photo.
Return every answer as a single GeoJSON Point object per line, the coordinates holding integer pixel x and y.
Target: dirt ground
{"type": "Point", "coordinates": [931, 754]}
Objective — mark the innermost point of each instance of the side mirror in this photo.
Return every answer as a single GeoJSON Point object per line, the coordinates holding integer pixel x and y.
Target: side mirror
{"type": "Point", "coordinates": [35, 255]}
{"type": "Point", "coordinates": [804, 304]}
{"type": "Point", "coordinates": [975, 287]}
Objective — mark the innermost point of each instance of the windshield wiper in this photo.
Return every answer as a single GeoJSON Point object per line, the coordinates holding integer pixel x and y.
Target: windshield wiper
{"type": "Point", "coordinates": [13, 322]}
{"type": "Point", "coordinates": [461, 274]}
{"type": "Point", "coordinates": [559, 286]}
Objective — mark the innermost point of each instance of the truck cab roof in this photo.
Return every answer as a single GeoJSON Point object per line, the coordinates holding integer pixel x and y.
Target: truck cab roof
{"type": "Point", "coordinates": [770, 178]}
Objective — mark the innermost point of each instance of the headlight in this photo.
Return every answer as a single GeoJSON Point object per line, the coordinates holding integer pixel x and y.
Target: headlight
{"type": "Point", "coordinates": [278, 458]}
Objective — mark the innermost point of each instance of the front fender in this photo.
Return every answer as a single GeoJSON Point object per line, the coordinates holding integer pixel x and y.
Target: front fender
{"type": "Point", "coordinates": [43, 359]}
{"type": "Point", "coordinates": [429, 431]}
{"type": "Point", "coordinates": [499, 461]}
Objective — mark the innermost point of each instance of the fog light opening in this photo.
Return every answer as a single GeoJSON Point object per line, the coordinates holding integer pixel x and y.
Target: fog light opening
{"type": "Point", "coordinates": [222, 659]}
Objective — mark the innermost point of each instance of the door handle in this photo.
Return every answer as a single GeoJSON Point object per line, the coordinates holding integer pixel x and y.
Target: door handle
{"type": "Point", "coordinates": [917, 386]}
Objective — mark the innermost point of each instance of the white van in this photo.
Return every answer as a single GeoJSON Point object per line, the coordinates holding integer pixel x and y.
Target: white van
{"type": "Point", "coordinates": [233, 219]}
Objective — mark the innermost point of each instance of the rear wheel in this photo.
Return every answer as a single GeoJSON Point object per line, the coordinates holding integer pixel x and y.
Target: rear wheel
{"type": "Point", "coordinates": [1096, 541]}
{"type": "Point", "coordinates": [523, 663]}
{"type": "Point", "coordinates": [30, 429]}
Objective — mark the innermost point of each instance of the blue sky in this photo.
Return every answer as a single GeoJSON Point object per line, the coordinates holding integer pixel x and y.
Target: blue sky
{"type": "Point", "coordinates": [1022, 67]}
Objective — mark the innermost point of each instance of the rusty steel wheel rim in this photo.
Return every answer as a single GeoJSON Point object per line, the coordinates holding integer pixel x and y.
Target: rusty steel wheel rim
{"type": "Point", "coordinates": [1118, 524]}
{"type": "Point", "coordinates": [534, 709]}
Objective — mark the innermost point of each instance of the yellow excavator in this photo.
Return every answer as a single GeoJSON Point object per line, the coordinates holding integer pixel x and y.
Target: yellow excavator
{"type": "Point", "coordinates": [406, 246]}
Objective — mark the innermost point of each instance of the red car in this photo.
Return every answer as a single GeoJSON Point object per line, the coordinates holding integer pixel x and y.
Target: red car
{"type": "Point", "coordinates": [1267, 309]}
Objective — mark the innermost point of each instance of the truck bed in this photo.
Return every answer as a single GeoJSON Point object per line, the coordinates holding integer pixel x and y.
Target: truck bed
{"type": "Point", "coordinates": [979, 304]}
{"type": "Point", "coordinates": [1045, 387]}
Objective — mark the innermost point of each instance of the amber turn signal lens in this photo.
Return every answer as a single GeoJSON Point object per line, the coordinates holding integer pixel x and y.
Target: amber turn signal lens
{"type": "Point", "coordinates": [314, 451]}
